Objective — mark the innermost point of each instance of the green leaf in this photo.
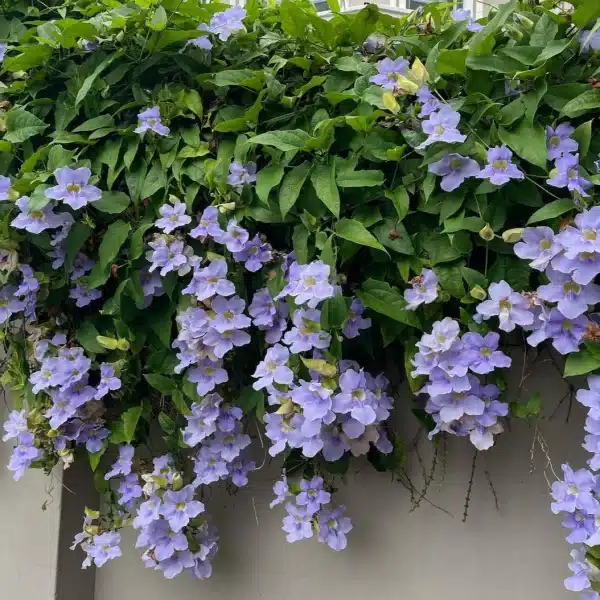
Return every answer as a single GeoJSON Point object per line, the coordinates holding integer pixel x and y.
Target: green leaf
{"type": "Point", "coordinates": [294, 139]}
{"type": "Point", "coordinates": [267, 179]}
{"type": "Point", "coordinates": [478, 44]}
{"type": "Point", "coordinates": [581, 363]}
{"type": "Point", "coordinates": [386, 300]}
{"type": "Point", "coordinates": [583, 103]}
{"type": "Point", "coordinates": [250, 399]}
{"type": "Point", "coordinates": [95, 123]}
{"type": "Point", "coordinates": [300, 243]}
{"type": "Point", "coordinates": [366, 178]}
{"type": "Point", "coordinates": [112, 202]}
{"type": "Point", "coordinates": [179, 403]}
{"type": "Point", "coordinates": [393, 235]}
{"type": "Point", "coordinates": [155, 180]}
{"type": "Point", "coordinates": [159, 19]}
{"type": "Point", "coordinates": [293, 19]}
{"type": "Point", "coordinates": [556, 208]}
{"type": "Point", "coordinates": [400, 200]}
{"type": "Point", "coordinates": [355, 231]}
{"type": "Point", "coordinates": [528, 141]}
{"type": "Point", "coordinates": [32, 56]}
{"type": "Point", "coordinates": [586, 12]}
{"type": "Point", "coordinates": [86, 335]}
{"type": "Point", "coordinates": [452, 62]}
{"type": "Point", "coordinates": [113, 239]}
{"type": "Point", "coordinates": [474, 224]}
{"type": "Point", "coordinates": [21, 125]}
{"type": "Point", "coordinates": [291, 185]}
{"type": "Point", "coordinates": [89, 81]}
{"type": "Point", "coordinates": [544, 31]}
{"type": "Point", "coordinates": [95, 457]}
{"type": "Point", "coordinates": [328, 254]}
{"type": "Point", "coordinates": [323, 180]}
{"type": "Point", "coordinates": [495, 63]}
{"type": "Point", "coordinates": [334, 312]}
{"type": "Point", "coordinates": [166, 423]}
{"type": "Point", "coordinates": [165, 385]}
{"type": "Point", "coordinates": [583, 136]}
{"type": "Point", "coordinates": [450, 278]}
{"type": "Point", "coordinates": [130, 420]}
{"type": "Point", "coordinates": [77, 236]}
{"type": "Point", "coordinates": [136, 247]}
{"type": "Point", "coordinates": [528, 409]}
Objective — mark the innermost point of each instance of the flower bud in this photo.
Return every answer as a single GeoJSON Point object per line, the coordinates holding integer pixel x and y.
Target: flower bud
{"type": "Point", "coordinates": [107, 342]}
{"type": "Point", "coordinates": [225, 208]}
{"type": "Point", "coordinates": [486, 233]}
{"type": "Point", "coordinates": [524, 21]}
{"type": "Point", "coordinates": [512, 236]}
{"type": "Point", "coordinates": [92, 529]}
{"type": "Point", "coordinates": [177, 482]}
{"type": "Point", "coordinates": [52, 433]}
{"type": "Point", "coordinates": [123, 345]}
{"type": "Point", "coordinates": [478, 293]}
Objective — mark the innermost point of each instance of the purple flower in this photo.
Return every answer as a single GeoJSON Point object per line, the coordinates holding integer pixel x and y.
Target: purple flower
{"type": "Point", "coordinates": [573, 299]}
{"type": "Point", "coordinates": [424, 290]}
{"type": "Point", "coordinates": [104, 547]}
{"type": "Point", "coordinates": [500, 169]}
{"type": "Point", "coordinates": [151, 283]}
{"type": "Point", "coordinates": [225, 23]}
{"type": "Point", "coordinates": [147, 512]}
{"type": "Point", "coordinates": [234, 237]}
{"type": "Point", "coordinates": [9, 303]}
{"type": "Point", "coordinates": [441, 127]}
{"type": "Point", "coordinates": [355, 321]}
{"type": "Point", "coordinates": [481, 354]}
{"type": "Point", "coordinates": [208, 225]}
{"type": "Point", "coordinates": [149, 119]}
{"type": "Point", "coordinates": [307, 333]}
{"type": "Point", "coordinates": [84, 296]}
{"type": "Point", "coordinates": [240, 174]}
{"type": "Point", "coordinates": [23, 454]}
{"type": "Point", "coordinates": [254, 255]}
{"type": "Point", "coordinates": [73, 188]}
{"type": "Point", "coordinates": [81, 265]}
{"type": "Point", "coordinates": [567, 175]}
{"type": "Point", "coordinates": [164, 541]}
{"type": "Point", "coordinates": [229, 314]}
{"type": "Point", "coordinates": [429, 103]}
{"type": "Point", "coordinates": [452, 407]}
{"type": "Point", "coordinates": [108, 381]}
{"type": "Point", "coordinates": [129, 490]}
{"type": "Point", "coordinates": [15, 425]}
{"type": "Point", "coordinates": [511, 307]}
{"type": "Point", "coordinates": [589, 40]}
{"type": "Point", "coordinates": [333, 527]}
{"type": "Point", "coordinates": [90, 46]}
{"type": "Point", "coordinates": [35, 221]}
{"type": "Point", "coordinates": [5, 184]}
{"type": "Point", "coordinates": [559, 141]}
{"type": "Point", "coordinates": [209, 281]}
{"type": "Point", "coordinates": [574, 492]}
{"type": "Point", "coordinates": [123, 464]}
{"type": "Point", "coordinates": [223, 342]}
{"type": "Point", "coordinates": [209, 467]}
{"type": "Point", "coordinates": [581, 569]}
{"type": "Point", "coordinates": [443, 335]}
{"type": "Point", "coordinates": [354, 398]}
{"type": "Point", "coordinates": [388, 71]}
{"type": "Point", "coordinates": [566, 334]}
{"type": "Point", "coordinates": [229, 444]}
{"type": "Point", "coordinates": [583, 266]}
{"type": "Point", "coordinates": [281, 491]}
{"type": "Point", "coordinates": [538, 245]}
{"type": "Point", "coordinates": [92, 436]}
{"type": "Point", "coordinates": [238, 471]}
{"type": "Point", "coordinates": [173, 566]}
{"type": "Point", "coordinates": [461, 14]}
{"type": "Point", "coordinates": [297, 524]}
{"type": "Point", "coordinates": [173, 256]}
{"type": "Point", "coordinates": [207, 375]}
{"type": "Point", "coordinates": [179, 507]}
{"type": "Point", "coordinates": [312, 495]}
{"type": "Point", "coordinates": [3, 49]}
{"type": "Point", "coordinates": [454, 169]}
{"type": "Point", "coordinates": [589, 398]}
{"type": "Point", "coordinates": [308, 283]}
{"type": "Point", "coordinates": [315, 400]}
{"type": "Point", "coordinates": [262, 308]}
{"type": "Point", "coordinates": [273, 369]}
{"type": "Point", "coordinates": [173, 217]}
{"type": "Point", "coordinates": [202, 421]}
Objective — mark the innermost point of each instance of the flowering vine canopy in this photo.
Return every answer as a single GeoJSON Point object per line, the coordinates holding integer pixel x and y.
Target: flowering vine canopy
{"type": "Point", "coordinates": [219, 221]}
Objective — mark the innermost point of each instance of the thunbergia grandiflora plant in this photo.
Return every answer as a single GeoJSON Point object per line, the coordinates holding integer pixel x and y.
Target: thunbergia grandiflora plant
{"type": "Point", "coordinates": [218, 222]}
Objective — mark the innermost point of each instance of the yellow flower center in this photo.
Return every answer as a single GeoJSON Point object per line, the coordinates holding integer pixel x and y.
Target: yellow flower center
{"type": "Point", "coordinates": [500, 165]}
{"type": "Point", "coordinates": [73, 188]}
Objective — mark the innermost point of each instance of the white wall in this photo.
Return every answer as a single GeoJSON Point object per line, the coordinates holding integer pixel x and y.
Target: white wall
{"type": "Point", "coordinates": [516, 553]}
{"type": "Point", "coordinates": [28, 534]}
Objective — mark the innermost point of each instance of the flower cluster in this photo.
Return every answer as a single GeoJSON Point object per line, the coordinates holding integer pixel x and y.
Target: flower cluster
{"type": "Point", "coordinates": [459, 402]}
{"type": "Point", "coordinates": [306, 513]}
{"type": "Point", "coordinates": [424, 290]}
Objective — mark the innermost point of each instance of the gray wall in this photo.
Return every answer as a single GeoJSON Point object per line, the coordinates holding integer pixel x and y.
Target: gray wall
{"type": "Point", "coordinates": [516, 552]}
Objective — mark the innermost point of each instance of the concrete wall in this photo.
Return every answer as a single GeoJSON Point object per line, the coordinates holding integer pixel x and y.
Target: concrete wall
{"type": "Point", "coordinates": [515, 552]}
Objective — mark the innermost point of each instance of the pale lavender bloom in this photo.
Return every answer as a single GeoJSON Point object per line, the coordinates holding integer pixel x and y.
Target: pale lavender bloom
{"type": "Point", "coordinates": [15, 424]}
{"type": "Point", "coordinates": [333, 527]}
{"type": "Point", "coordinates": [151, 283]}
{"type": "Point", "coordinates": [108, 381]}
{"type": "Point", "coordinates": [240, 174]}
{"type": "Point", "coordinates": [429, 103]}
{"type": "Point", "coordinates": [307, 333]}
{"type": "Point", "coordinates": [574, 492]}
{"type": "Point", "coordinates": [5, 184]}
{"type": "Point", "coordinates": [223, 342]}
{"type": "Point", "coordinates": [584, 266]}
{"type": "Point", "coordinates": [354, 398]}
{"type": "Point", "coordinates": [273, 369]}
{"type": "Point", "coordinates": [424, 290]}
{"type": "Point", "coordinates": [584, 236]}
{"type": "Point", "coordinates": [206, 375]}
{"type": "Point", "coordinates": [442, 127]}
{"type": "Point", "coordinates": [452, 407]}
{"type": "Point", "coordinates": [147, 512]}
{"type": "Point", "coordinates": [454, 169]}
{"type": "Point", "coordinates": [281, 491]}
{"type": "Point", "coordinates": [582, 525]}
{"type": "Point", "coordinates": [275, 332]}
{"type": "Point", "coordinates": [567, 175]}
{"type": "Point", "coordinates": [481, 354]}
{"type": "Point", "coordinates": [3, 49]}
{"type": "Point", "coordinates": [149, 119]}
{"type": "Point", "coordinates": [442, 337]}
{"type": "Point", "coordinates": [255, 254]}
{"type": "Point", "coordinates": [388, 71]}
{"type": "Point", "coordinates": [9, 303]}
{"type": "Point", "coordinates": [179, 507]}
{"type": "Point", "coordinates": [566, 334]}
{"type": "Point", "coordinates": [209, 467]}
{"type": "Point", "coordinates": [123, 464]}
{"type": "Point", "coordinates": [500, 169]}
{"type": "Point", "coordinates": [171, 256]}
{"type": "Point", "coordinates": [538, 245]}
{"type": "Point", "coordinates": [239, 469]}
{"type": "Point", "coordinates": [229, 314]}
{"type": "Point", "coordinates": [229, 444]}
{"type": "Point", "coordinates": [92, 436]}
{"type": "Point", "coordinates": [209, 281]}
{"type": "Point", "coordinates": [174, 565]}
{"type": "Point", "coordinates": [104, 547]}
{"type": "Point", "coordinates": [208, 225]}
{"type": "Point", "coordinates": [35, 221]}
{"type": "Point", "coordinates": [312, 495]}
{"type": "Point", "coordinates": [581, 568]}
{"type": "Point", "coordinates": [315, 400]}
{"type": "Point", "coordinates": [84, 296]}
{"type": "Point", "coordinates": [461, 14]}
{"type": "Point", "coordinates": [511, 307]}
{"type": "Point", "coordinates": [234, 237]}
{"type": "Point", "coordinates": [262, 309]}
{"type": "Point", "coordinates": [297, 524]}
{"type": "Point", "coordinates": [355, 321]}
{"type": "Point", "coordinates": [59, 255]}
{"type": "Point", "coordinates": [202, 421]}
{"type": "Point", "coordinates": [308, 283]}
{"type": "Point", "coordinates": [164, 541]}
{"type": "Point", "coordinates": [589, 40]}
{"type": "Point", "coordinates": [559, 141]}
{"type": "Point", "coordinates": [202, 42]}
{"type": "Point", "coordinates": [73, 188]}
{"type": "Point", "coordinates": [90, 46]}
{"type": "Point", "coordinates": [81, 265]}
{"type": "Point", "coordinates": [129, 490]}
{"type": "Point", "coordinates": [573, 299]}
{"type": "Point", "coordinates": [225, 23]}
{"type": "Point", "coordinates": [335, 445]}
{"type": "Point", "coordinates": [173, 217]}
{"type": "Point", "coordinates": [23, 455]}
{"type": "Point", "coordinates": [589, 398]}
